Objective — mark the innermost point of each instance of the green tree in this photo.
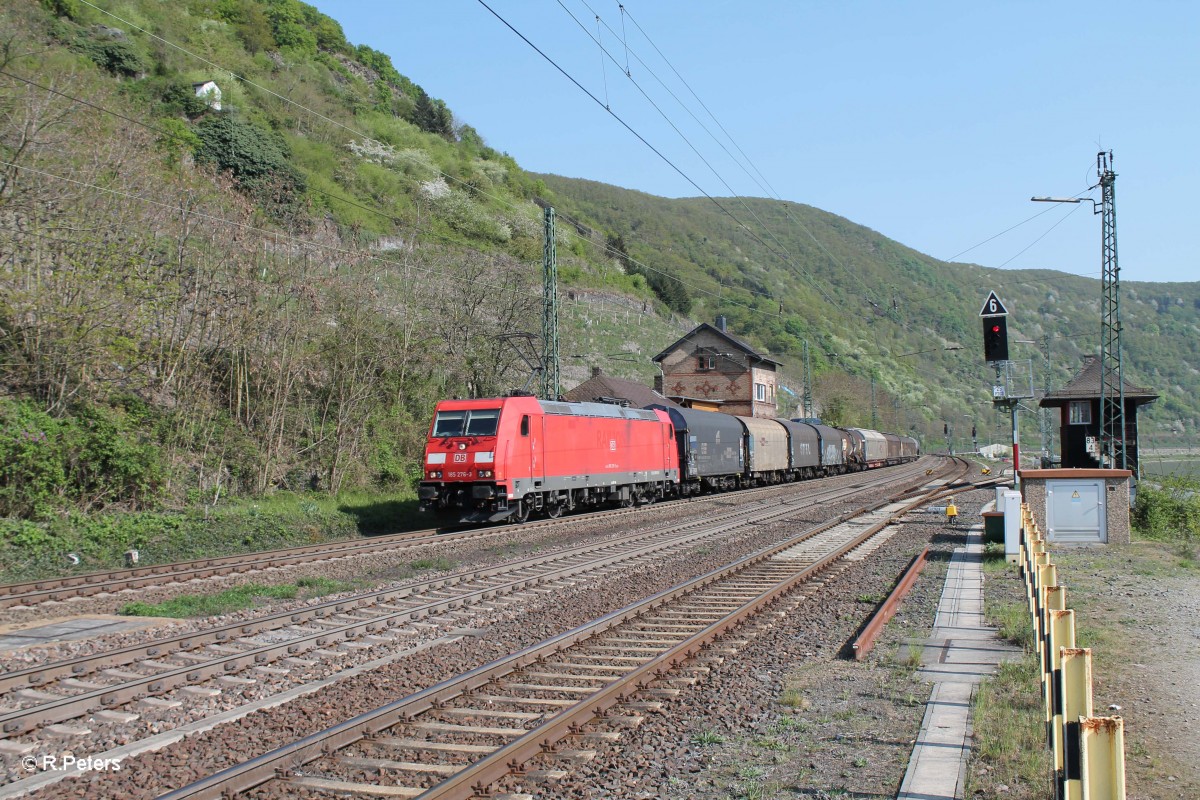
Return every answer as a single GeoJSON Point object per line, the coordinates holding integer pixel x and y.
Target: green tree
{"type": "Point", "coordinates": [432, 115]}
{"type": "Point", "coordinates": [257, 160]}
{"type": "Point", "coordinates": [250, 22]}
{"type": "Point", "coordinates": [290, 27]}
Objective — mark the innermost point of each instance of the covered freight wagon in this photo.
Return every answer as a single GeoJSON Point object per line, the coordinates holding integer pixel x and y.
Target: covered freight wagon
{"type": "Point", "coordinates": [870, 448]}
{"type": "Point", "coordinates": [711, 449]}
{"type": "Point", "coordinates": [766, 449]}
{"type": "Point", "coordinates": [836, 447]}
{"type": "Point", "coordinates": [804, 448]}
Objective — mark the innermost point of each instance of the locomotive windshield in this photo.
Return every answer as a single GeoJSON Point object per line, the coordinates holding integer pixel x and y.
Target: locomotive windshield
{"type": "Point", "coordinates": [473, 422]}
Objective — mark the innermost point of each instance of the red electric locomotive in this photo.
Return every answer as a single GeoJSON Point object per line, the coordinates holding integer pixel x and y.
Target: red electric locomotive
{"type": "Point", "coordinates": [510, 457]}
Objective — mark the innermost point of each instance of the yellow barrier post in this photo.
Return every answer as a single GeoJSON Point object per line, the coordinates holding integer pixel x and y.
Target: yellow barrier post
{"type": "Point", "coordinates": [1075, 686]}
{"type": "Point", "coordinates": [1102, 756]}
{"type": "Point", "coordinates": [1061, 634]}
{"type": "Point", "coordinates": [1056, 598]}
{"type": "Point", "coordinates": [1046, 576]}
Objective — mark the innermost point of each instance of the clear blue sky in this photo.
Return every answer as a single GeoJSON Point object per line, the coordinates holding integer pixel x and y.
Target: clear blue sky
{"type": "Point", "coordinates": [930, 122]}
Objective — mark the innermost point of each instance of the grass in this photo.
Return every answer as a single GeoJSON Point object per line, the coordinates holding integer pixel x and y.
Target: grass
{"type": "Point", "coordinates": [707, 737]}
{"type": "Point", "coordinates": [788, 723]}
{"type": "Point", "coordinates": [235, 599]}
{"type": "Point", "coordinates": [32, 550]}
{"type": "Point", "coordinates": [793, 698]}
{"type": "Point", "coordinates": [1010, 733]}
{"type": "Point", "coordinates": [1010, 745]}
{"type": "Point", "coordinates": [435, 564]}
{"type": "Point", "coordinates": [771, 743]}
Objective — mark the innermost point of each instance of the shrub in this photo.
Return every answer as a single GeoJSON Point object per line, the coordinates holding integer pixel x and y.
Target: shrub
{"type": "Point", "coordinates": [112, 50]}
{"type": "Point", "coordinates": [257, 159]}
{"type": "Point", "coordinates": [91, 459]}
{"type": "Point", "coordinates": [1169, 510]}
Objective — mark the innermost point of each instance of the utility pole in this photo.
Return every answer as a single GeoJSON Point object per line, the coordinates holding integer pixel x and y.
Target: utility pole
{"type": "Point", "coordinates": [809, 411]}
{"type": "Point", "coordinates": [550, 361]}
{"type": "Point", "coordinates": [1112, 386]}
{"type": "Point", "coordinates": [874, 409]}
{"type": "Point", "coordinates": [1044, 413]}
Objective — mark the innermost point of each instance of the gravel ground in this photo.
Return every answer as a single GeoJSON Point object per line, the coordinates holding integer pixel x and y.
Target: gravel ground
{"type": "Point", "coordinates": [789, 716]}
{"type": "Point", "coordinates": [786, 716]}
{"type": "Point", "coordinates": [506, 630]}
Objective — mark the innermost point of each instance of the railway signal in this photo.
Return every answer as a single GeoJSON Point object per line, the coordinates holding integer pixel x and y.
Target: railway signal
{"type": "Point", "coordinates": [995, 339]}
{"type": "Point", "coordinates": [995, 329]}
{"type": "Point", "coordinates": [995, 352]}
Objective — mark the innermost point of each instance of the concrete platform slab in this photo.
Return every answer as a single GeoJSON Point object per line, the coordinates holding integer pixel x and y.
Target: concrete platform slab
{"type": "Point", "coordinates": [13, 637]}
{"type": "Point", "coordinates": [960, 653]}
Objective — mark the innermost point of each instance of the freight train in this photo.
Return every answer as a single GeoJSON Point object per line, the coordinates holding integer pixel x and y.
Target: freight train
{"type": "Point", "coordinates": [510, 458]}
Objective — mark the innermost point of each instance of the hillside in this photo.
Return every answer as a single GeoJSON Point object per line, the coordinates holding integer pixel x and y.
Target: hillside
{"type": "Point", "coordinates": [213, 296]}
{"type": "Point", "coordinates": [868, 304]}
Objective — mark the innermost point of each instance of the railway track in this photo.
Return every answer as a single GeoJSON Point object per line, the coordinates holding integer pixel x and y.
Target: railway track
{"type": "Point", "coordinates": [34, 697]}
{"type": "Point", "coordinates": [31, 593]}
{"type": "Point", "coordinates": [447, 609]}
{"type": "Point", "coordinates": [523, 719]}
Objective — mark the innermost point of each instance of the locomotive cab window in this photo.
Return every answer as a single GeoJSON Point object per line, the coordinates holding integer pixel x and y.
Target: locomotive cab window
{"type": "Point", "coordinates": [473, 422]}
{"type": "Point", "coordinates": [525, 425]}
{"type": "Point", "coordinates": [449, 423]}
{"type": "Point", "coordinates": [483, 421]}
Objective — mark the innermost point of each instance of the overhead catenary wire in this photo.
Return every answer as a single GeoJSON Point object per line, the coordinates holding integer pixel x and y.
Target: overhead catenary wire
{"type": "Point", "coordinates": [630, 128]}
{"type": "Point", "coordinates": [415, 229]}
{"type": "Point", "coordinates": [503, 201]}
{"type": "Point", "coordinates": [781, 253]}
{"type": "Point", "coordinates": [762, 184]}
{"type": "Point", "coordinates": [625, 12]}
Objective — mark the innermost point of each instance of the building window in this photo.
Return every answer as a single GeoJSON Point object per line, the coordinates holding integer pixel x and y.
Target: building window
{"type": "Point", "coordinates": [760, 391]}
{"type": "Point", "coordinates": [1080, 412]}
{"type": "Point", "coordinates": [708, 362]}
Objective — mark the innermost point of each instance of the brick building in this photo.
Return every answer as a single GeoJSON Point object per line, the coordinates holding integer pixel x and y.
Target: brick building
{"type": "Point", "coordinates": [709, 368]}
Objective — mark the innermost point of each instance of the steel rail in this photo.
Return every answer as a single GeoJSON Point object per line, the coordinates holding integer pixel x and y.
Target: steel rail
{"type": "Point", "coordinates": [28, 593]}
{"type": "Point", "coordinates": [256, 771]}
{"type": "Point", "coordinates": [83, 665]}
{"type": "Point", "coordinates": [69, 707]}
{"type": "Point", "coordinates": [42, 674]}
{"type": "Point", "coordinates": [465, 784]}
{"type": "Point", "coordinates": [865, 641]}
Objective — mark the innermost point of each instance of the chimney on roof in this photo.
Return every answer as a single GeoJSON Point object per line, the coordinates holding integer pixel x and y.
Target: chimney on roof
{"type": "Point", "coordinates": [595, 372]}
{"type": "Point", "coordinates": [721, 323]}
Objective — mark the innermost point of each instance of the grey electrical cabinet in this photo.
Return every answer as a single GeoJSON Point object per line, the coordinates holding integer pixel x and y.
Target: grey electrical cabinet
{"type": "Point", "coordinates": [1076, 511]}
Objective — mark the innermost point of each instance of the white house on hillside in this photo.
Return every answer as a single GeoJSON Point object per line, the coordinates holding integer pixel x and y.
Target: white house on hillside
{"type": "Point", "coordinates": [210, 92]}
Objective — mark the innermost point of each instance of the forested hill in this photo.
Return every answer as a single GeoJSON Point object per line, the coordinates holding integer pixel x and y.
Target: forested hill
{"type": "Point", "coordinates": [865, 303]}
{"type": "Point", "coordinates": [242, 254]}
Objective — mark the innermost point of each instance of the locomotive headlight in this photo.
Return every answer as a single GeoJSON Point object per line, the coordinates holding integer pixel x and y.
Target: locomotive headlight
{"type": "Point", "coordinates": [485, 473]}
{"type": "Point", "coordinates": [462, 445]}
{"type": "Point", "coordinates": [435, 473]}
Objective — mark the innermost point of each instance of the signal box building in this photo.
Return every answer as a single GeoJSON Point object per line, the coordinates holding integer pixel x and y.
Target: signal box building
{"type": "Point", "coordinates": [1079, 420]}
{"type": "Point", "coordinates": [713, 370]}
